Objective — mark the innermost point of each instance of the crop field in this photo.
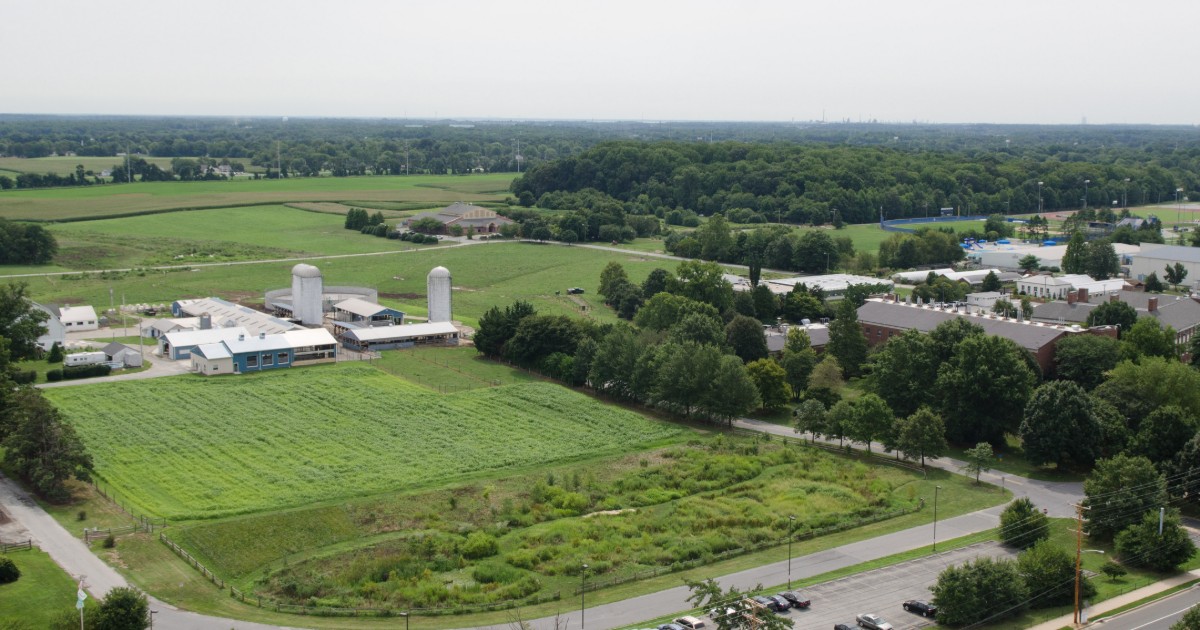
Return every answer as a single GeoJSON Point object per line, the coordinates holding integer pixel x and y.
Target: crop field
{"type": "Point", "coordinates": [91, 202]}
{"type": "Point", "coordinates": [189, 447]}
{"type": "Point", "coordinates": [179, 238]}
{"type": "Point", "coordinates": [485, 275]}
{"type": "Point", "coordinates": [66, 165]}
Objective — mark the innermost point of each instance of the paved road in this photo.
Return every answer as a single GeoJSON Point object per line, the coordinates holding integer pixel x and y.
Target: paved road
{"type": "Point", "coordinates": [1156, 616]}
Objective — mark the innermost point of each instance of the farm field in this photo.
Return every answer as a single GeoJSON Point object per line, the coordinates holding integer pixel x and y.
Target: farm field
{"type": "Point", "coordinates": [262, 232]}
{"type": "Point", "coordinates": [485, 275]}
{"type": "Point", "coordinates": [294, 437]}
{"type": "Point", "coordinates": [449, 370]}
{"type": "Point", "coordinates": [92, 202]}
{"type": "Point", "coordinates": [66, 165]}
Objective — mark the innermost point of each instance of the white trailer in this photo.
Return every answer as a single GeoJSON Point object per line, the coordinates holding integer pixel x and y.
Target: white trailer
{"type": "Point", "coordinates": [85, 358]}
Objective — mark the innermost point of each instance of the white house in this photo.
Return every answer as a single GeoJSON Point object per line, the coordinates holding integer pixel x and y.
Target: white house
{"type": "Point", "coordinates": [55, 332]}
{"type": "Point", "coordinates": [76, 318]}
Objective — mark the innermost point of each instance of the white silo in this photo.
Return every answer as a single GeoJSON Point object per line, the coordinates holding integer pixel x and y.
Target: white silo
{"type": "Point", "coordinates": [307, 287]}
{"type": "Point", "coordinates": [437, 289]}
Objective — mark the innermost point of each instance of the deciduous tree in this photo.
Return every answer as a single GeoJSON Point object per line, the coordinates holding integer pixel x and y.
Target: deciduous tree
{"type": "Point", "coordinates": [1084, 359]}
{"type": "Point", "coordinates": [745, 336]}
{"type": "Point", "coordinates": [1059, 425]}
{"type": "Point", "coordinates": [1022, 525]}
{"type": "Point", "coordinates": [846, 339]}
{"type": "Point", "coordinates": [1140, 544]}
{"type": "Point", "coordinates": [770, 379]}
{"type": "Point", "coordinates": [920, 435]}
{"type": "Point", "coordinates": [1117, 493]}
{"type": "Point", "coordinates": [979, 459]}
{"type": "Point", "coordinates": [978, 590]}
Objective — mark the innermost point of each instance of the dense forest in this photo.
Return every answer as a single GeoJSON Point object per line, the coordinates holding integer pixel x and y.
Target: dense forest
{"type": "Point", "coordinates": [813, 183]}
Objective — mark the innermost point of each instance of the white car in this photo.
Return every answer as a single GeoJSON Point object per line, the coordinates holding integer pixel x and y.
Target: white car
{"type": "Point", "coordinates": [872, 622]}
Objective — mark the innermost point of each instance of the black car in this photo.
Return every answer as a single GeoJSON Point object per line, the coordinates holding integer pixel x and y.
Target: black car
{"type": "Point", "coordinates": [767, 603]}
{"type": "Point", "coordinates": [671, 626]}
{"type": "Point", "coordinates": [920, 607]}
{"type": "Point", "coordinates": [797, 600]}
{"type": "Point", "coordinates": [841, 626]}
{"type": "Point", "coordinates": [780, 601]}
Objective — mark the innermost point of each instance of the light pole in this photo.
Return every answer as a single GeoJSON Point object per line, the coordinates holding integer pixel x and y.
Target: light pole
{"type": "Point", "coordinates": [1078, 570]}
{"type": "Point", "coordinates": [1085, 186]}
{"type": "Point", "coordinates": [791, 525]}
{"type": "Point", "coordinates": [582, 596]}
{"type": "Point", "coordinates": [405, 615]}
{"type": "Point", "coordinates": [1040, 197]}
{"type": "Point", "coordinates": [152, 613]}
{"type": "Point", "coordinates": [935, 502]}
{"type": "Point", "coordinates": [1178, 205]}
{"type": "Point", "coordinates": [1125, 193]}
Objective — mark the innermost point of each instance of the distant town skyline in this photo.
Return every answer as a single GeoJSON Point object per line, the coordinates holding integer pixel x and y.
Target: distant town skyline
{"type": "Point", "coordinates": [937, 61]}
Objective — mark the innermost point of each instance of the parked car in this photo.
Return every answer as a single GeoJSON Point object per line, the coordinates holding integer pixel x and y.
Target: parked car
{"type": "Point", "coordinates": [797, 600]}
{"type": "Point", "coordinates": [872, 622]}
{"type": "Point", "coordinates": [767, 603]}
{"type": "Point", "coordinates": [671, 626]}
{"type": "Point", "coordinates": [574, 291]}
{"type": "Point", "coordinates": [691, 623]}
{"type": "Point", "coordinates": [780, 601]}
{"type": "Point", "coordinates": [841, 626]}
{"type": "Point", "coordinates": [920, 607]}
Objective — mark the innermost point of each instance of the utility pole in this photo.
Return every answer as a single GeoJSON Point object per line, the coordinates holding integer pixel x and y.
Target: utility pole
{"type": "Point", "coordinates": [1078, 555]}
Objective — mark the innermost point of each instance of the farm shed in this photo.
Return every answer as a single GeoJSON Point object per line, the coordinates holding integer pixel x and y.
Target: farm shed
{"type": "Point", "coordinates": [179, 345]}
{"type": "Point", "coordinates": [248, 353]}
{"type": "Point", "coordinates": [366, 313]}
{"type": "Point", "coordinates": [160, 327]}
{"type": "Point", "coordinates": [227, 315]}
{"type": "Point", "coordinates": [390, 337]}
{"type": "Point", "coordinates": [76, 318]}
{"type": "Point", "coordinates": [123, 354]}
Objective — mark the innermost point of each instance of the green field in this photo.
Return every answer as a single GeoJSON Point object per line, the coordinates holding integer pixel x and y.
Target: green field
{"type": "Point", "coordinates": [188, 447]}
{"type": "Point", "coordinates": [66, 165]}
{"type": "Point", "coordinates": [485, 275]}
{"type": "Point", "coordinates": [42, 594]}
{"type": "Point", "coordinates": [449, 370]}
{"type": "Point", "coordinates": [90, 202]}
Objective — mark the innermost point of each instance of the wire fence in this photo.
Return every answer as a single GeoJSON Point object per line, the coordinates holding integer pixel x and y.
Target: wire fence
{"type": "Point", "coordinates": [143, 523]}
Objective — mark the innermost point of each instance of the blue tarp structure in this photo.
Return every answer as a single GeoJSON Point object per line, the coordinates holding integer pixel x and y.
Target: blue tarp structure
{"type": "Point", "coordinates": [1049, 243]}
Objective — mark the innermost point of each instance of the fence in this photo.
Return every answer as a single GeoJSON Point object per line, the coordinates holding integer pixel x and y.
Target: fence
{"type": "Point", "coordinates": [872, 457]}
{"type": "Point", "coordinates": [330, 611]}
{"type": "Point", "coordinates": [7, 547]}
{"type": "Point", "coordinates": [143, 525]}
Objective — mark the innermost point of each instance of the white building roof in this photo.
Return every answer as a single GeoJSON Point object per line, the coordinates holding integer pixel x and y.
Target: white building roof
{"type": "Point", "coordinates": [74, 314]}
{"type": "Point", "coordinates": [359, 307]}
{"type": "Point", "coordinates": [308, 337]}
{"type": "Point", "coordinates": [263, 343]}
{"type": "Point", "coordinates": [834, 282]}
{"type": "Point", "coordinates": [379, 333]}
{"type": "Point", "coordinates": [1172, 253]}
{"type": "Point", "coordinates": [212, 351]}
{"type": "Point", "coordinates": [229, 314]}
{"type": "Point", "coordinates": [187, 338]}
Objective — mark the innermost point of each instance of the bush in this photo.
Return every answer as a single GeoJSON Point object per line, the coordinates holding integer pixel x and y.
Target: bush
{"type": "Point", "coordinates": [54, 376]}
{"type": "Point", "coordinates": [84, 371]}
{"type": "Point", "coordinates": [1022, 525]}
{"type": "Point", "coordinates": [1140, 544]}
{"type": "Point", "coordinates": [56, 353]}
{"type": "Point", "coordinates": [81, 516]}
{"type": "Point", "coordinates": [480, 545]}
{"type": "Point", "coordinates": [9, 572]}
{"type": "Point", "coordinates": [124, 607]}
{"type": "Point", "coordinates": [24, 377]}
{"type": "Point", "coordinates": [1049, 574]}
{"type": "Point", "coordinates": [109, 542]}
{"type": "Point", "coordinates": [979, 590]}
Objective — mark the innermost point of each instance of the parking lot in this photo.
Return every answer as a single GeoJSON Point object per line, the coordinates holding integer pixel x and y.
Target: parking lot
{"type": "Point", "coordinates": [883, 591]}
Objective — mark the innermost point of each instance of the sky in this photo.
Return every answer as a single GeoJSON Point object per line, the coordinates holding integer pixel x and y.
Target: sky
{"type": "Point", "coordinates": [939, 61]}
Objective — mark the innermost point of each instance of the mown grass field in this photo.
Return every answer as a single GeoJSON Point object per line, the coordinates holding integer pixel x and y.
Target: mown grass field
{"type": "Point", "coordinates": [92, 202]}
{"type": "Point", "coordinates": [485, 275]}
{"type": "Point", "coordinates": [66, 165]}
{"type": "Point", "coordinates": [198, 448]}
{"type": "Point", "coordinates": [450, 370]}
{"type": "Point", "coordinates": [249, 233]}
{"type": "Point", "coordinates": [42, 594]}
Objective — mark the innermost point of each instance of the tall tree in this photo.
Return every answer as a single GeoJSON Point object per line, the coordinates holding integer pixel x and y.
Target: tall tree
{"type": "Point", "coordinates": [1084, 359]}
{"type": "Point", "coordinates": [920, 435]}
{"type": "Point", "coordinates": [1162, 434]}
{"type": "Point", "coordinates": [872, 420]}
{"type": "Point", "coordinates": [984, 589]}
{"type": "Point", "coordinates": [658, 281]}
{"type": "Point", "coordinates": [846, 339]}
{"type": "Point", "coordinates": [1029, 263]}
{"type": "Point", "coordinates": [991, 282]}
{"type": "Point", "coordinates": [539, 336]}
{"type": "Point", "coordinates": [1118, 492]}
{"type": "Point", "coordinates": [827, 375]}
{"type": "Point", "coordinates": [809, 418]}
{"type": "Point", "coordinates": [731, 391]}
{"type": "Point", "coordinates": [1137, 389]}
{"type": "Point", "coordinates": [497, 327]}
{"type": "Point", "coordinates": [745, 336]}
{"type": "Point", "coordinates": [41, 448]}
{"type": "Point", "coordinates": [798, 359]}
{"type": "Point", "coordinates": [1049, 573]}
{"type": "Point", "coordinates": [1076, 257]}
{"type": "Point", "coordinates": [1147, 338]}
{"type": "Point", "coordinates": [771, 381]}
{"type": "Point", "coordinates": [705, 282]}
{"type": "Point", "coordinates": [903, 371]}
{"type": "Point", "coordinates": [701, 328]}
{"type": "Point", "coordinates": [983, 388]}
{"type": "Point", "coordinates": [1059, 425]}
{"type": "Point", "coordinates": [1022, 525]}
{"type": "Point", "coordinates": [20, 322]}
{"type": "Point", "coordinates": [685, 376]}
{"type": "Point", "coordinates": [1175, 274]}
{"type": "Point", "coordinates": [1117, 314]}
{"type": "Point", "coordinates": [1102, 261]}
{"type": "Point", "coordinates": [1153, 284]}
{"type": "Point", "coordinates": [1141, 544]}
{"type": "Point", "coordinates": [612, 275]}
{"type": "Point", "coordinates": [979, 459]}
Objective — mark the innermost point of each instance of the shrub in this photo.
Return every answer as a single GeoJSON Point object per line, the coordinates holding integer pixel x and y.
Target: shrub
{"type": "Point", "coordinates": [1022, 525]}
{"type": "Point", "coordinates": [81, 516]}
{"type": "Point", "coordinates": [495, 573]}
{"type": "Point", "coordinates": [8, 570]}
{"type": "Point", "coordinates": [979, 590]}
{"type": "Point", "coordinates": [109, 542]}
{"type": "Point", "coordinates": [1141, 545]}
{"type": "Point", "coordinates": [480, 545]}
{"type": "Point", "coordinates": [54, 376]}
{"type": "Point", "coordinates": [24, 377]}
{"type": "Point", "coordinates": [84, 371]}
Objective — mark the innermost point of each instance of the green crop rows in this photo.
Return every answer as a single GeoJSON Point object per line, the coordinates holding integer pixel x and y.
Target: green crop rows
{"type": "Point", "coordinates": [190, 448]}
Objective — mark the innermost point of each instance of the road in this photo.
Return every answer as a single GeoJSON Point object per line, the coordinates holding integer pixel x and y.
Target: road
{"type": "Point", "coordinates": [1156, 616]}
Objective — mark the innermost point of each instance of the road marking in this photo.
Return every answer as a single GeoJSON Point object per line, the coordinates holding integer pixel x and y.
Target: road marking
{"type": "Point", "coordinates": [1181, 610]}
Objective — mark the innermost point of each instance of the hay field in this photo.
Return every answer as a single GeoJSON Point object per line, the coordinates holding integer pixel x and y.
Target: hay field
{"type": "Point", "coordinates": [192, 447]}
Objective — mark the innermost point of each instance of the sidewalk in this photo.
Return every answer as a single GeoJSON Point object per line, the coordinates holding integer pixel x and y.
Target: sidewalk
{"type": "Point", "coordinates": [1120, 600]}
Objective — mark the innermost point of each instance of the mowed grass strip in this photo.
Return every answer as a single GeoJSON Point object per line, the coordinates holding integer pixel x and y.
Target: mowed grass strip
{"type": "Point", "coordinates": [42, 594]}
{"type": "Point", "coordinates": [450, 369]}
{"type": "Point", "coordinates": [91, 202]}
{"type": "Point", "coordinates": [190, 447]}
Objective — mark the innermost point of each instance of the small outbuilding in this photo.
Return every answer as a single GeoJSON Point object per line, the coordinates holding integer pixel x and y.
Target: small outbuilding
{"type": "Point", "coordinates": [76, 318]}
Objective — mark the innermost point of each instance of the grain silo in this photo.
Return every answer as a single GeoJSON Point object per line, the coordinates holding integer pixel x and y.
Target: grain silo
{"type": "Point", "coordinates": [437, 289]}
{"type": "Point", "coordinates": [307, 288]}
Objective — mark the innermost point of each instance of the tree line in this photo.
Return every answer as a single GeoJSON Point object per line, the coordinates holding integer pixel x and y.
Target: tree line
{"type": "Point", "coordinates": [25, 244]}
{"type": "Point", "coordinates": [806, 183]}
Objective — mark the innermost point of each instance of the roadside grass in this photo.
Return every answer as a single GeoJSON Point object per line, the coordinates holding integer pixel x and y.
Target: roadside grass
{"type": "Point", "coordinates": [93, 202]}
{"type": "Point", "coordinates": [42, 594]}
{"type": "Point", "coordinates": [485, 275]}
{"type": "Point", "coordinates": [449, 370]}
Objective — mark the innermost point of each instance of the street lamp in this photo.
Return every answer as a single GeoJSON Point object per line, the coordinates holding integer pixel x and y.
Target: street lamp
{"type": "Point", "coordinates": [1078, 571]}
{"type": "Point", "coordinates": [1178, 206]}
{"type": "Point", "coordinates": [1039, 197]}
{"type": "Point", "coordinates": [405, 615]}
{"type": "Point", "coordinates": [152, 613]}
{"type": "Point", "coordinates": [1125, 192]}
{"type": "Point", "coordinates": [582, 596]}
{"type": "Point", "coordinates": [791, 526]}
{"type": "Point", "coordinates": [1085, 186]}
{"type": "Point", "coordinates": [935, 502]}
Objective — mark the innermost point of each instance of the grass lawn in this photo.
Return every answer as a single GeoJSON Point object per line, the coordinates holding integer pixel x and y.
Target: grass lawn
{"type": "Point", "coordinates": [1012, 460]}
{"type": "Point", "coordinates": [91, 202]}
{"type": "Point", "coordinates": [485, 275]}
{"type": "Point", "coordinates": [449, 370]}
{"type": "Point", "coordinates": [42, 594]}
{"type": "Point", "coordinates": [293, 437]}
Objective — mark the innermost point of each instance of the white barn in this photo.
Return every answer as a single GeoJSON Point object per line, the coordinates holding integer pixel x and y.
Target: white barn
{"type": "Point", "coordinates": [76, 318]}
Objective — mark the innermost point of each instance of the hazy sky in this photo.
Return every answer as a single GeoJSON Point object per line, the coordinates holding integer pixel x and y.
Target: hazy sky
{"type": "Point", "coordinates": [1010, 61]}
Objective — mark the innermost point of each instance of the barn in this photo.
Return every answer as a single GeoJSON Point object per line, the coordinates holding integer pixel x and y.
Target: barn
{"type": "Point", "coordinates": [391, 337]}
